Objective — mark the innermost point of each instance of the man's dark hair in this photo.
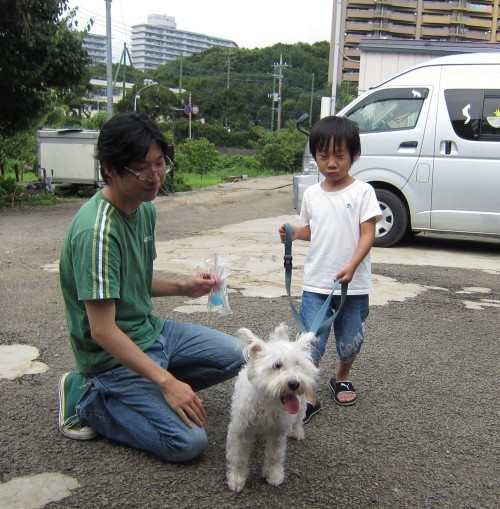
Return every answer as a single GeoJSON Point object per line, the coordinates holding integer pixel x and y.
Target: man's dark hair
{"type": "Point", "coordinates": [127, 138]}
{"type": "Point", "coordinates": [339, 129]}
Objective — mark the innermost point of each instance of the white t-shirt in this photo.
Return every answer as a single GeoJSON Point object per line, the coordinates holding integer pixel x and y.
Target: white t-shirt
{"type": "Point", "coordinates": [334, 219]}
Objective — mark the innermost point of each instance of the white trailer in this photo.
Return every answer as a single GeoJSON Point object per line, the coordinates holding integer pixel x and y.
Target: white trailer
{"type": "Point", "coordinates": [68, 156]}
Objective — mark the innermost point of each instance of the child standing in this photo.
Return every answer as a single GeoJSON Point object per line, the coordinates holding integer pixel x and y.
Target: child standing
{"type": "Point", "coordinates": [340, 214]}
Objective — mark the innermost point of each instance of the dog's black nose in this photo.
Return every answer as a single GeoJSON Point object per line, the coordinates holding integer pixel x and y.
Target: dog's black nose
{"type": "Point", "coordinates": [293, 384]}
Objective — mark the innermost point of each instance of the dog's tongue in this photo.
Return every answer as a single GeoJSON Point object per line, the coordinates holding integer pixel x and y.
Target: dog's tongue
{"type": "Point", "coordinates": [291, 404]}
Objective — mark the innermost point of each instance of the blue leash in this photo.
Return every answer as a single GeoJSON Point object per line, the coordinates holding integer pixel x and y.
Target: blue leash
{"type": "Point", "coordinates": [319, 324]}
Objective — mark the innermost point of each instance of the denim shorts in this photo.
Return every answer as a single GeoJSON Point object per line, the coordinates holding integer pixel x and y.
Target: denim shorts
{"type": "Point", "coordinates": [128, 408]}
{"type": "Point", "coordinates": [348, 327]}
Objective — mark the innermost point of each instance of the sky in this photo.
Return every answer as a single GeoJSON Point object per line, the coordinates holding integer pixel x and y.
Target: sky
{"type": "Point", "coordinates": [250, 24]}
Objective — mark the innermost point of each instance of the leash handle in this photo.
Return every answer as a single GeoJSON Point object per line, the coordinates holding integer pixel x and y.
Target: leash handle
{"type": "Point", "coordinates": [319, 324]}
{"type": "Point", "coordinates": [287, 262]}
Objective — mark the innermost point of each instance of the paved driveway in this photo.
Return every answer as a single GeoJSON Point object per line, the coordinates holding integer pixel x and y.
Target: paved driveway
{"type": "Point", "coordinates": [424, 432]}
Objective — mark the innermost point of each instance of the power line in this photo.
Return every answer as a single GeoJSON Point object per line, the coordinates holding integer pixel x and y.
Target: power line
{"type": "Point", "coordinates": [120, 32]}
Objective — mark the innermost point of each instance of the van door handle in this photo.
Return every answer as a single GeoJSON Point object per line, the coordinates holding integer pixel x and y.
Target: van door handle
{"type": "Point", "coordinates": [447, 147]}
{"type": "Point", "coordinates": [409, 144]}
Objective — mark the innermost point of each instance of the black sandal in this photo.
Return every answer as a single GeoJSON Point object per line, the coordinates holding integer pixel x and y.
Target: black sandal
{"type": "Point", "coordinates": [342, 386]}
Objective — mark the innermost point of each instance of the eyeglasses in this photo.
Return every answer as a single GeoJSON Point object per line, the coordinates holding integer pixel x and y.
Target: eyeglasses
{"type": "Point", "coordinates": [166, 166]}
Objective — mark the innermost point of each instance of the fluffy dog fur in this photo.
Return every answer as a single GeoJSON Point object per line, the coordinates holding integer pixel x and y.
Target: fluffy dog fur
{"type": "Point", "coordinates": [268, 399]}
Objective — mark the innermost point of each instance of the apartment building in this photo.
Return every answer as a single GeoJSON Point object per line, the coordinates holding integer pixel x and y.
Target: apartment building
{"type": "Point", "coordinates": [454, 21]}
{"type": "Point", "coordinates": [96, 47]}
{"type": "Point", "coordinates": [159, 41]}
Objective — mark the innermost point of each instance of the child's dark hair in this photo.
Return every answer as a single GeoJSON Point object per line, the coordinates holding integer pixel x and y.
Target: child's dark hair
{"type": "Point", "coordinates": [126, 138]}
{"type": "Point", "coordinates": [339, 129]}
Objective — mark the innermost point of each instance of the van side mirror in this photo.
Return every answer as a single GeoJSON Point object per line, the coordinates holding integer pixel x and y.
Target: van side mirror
{"type": "Point", "coordinates": [300, 121]}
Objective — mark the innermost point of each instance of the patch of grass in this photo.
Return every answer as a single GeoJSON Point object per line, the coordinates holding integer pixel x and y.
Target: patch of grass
{"type": "Point", "coordinates": [197, 181]}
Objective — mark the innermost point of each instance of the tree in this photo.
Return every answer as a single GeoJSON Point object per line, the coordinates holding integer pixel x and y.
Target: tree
{"type": "Point", "coordinates": [196, 156]}
{"type": "Point", "coordinates": [40, 54]}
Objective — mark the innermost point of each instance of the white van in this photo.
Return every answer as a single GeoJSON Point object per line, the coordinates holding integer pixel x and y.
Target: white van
{"type": "Point", "coordinates": [430, 142]}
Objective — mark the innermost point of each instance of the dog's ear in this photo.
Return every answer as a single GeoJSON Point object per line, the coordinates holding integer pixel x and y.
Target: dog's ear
{"type": "Point", "coordinates": [251, 343]}
{"type": "Point", "coordinates": [306, 339]}
{"type": "Point", "coordinates": [280, 333]}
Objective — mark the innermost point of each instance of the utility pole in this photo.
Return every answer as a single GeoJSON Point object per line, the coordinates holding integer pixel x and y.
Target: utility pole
{"type": "Point", "coordinates": [336, 53]}
{"type": "Point", "coordinates": [227, 86]}
{"type": "Point", "coordinates": [280, 80]}
{"type": "Point", "coordinates": [190, 113]}
{"type": "Point", "coordinates": [109, 66]}
{"type": "Point", "coordinates": [124, 69]}
{"type": "Point", "coordinates": [180, 75]}
{"type": "Point", "coordinates": [123, 58]}
{"type": "Point", "coordinates": [274, 98]}
{"type": "Point", "coordinates": [311, 104]}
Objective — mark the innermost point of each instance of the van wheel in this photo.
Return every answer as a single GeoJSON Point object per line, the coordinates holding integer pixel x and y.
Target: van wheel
{"type": "Point", "coordinates": [394, 223]}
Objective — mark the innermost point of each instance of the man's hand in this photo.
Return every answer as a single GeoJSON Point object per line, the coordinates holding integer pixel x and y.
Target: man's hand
{"type": "Point", "coordinates": [200, 285]}
{"type": "Point", "coordinates": [183, 400]}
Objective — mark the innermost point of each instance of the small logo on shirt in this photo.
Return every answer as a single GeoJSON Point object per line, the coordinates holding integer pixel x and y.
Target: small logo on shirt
{"type": "Point", "coordinates": [148, 238]}
{"type": "Point", "coordinates": [348, 206]}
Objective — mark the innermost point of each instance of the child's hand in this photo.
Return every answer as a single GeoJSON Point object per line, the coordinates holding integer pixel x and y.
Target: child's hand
{"type": "Point", "coordinates": [282, 232]}
{"type": "Point", "coordinates": [298, 232]}
{"type": "Point", "coordinates": [346, 273]}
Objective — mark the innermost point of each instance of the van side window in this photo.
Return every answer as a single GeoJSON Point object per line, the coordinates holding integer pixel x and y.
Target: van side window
{"type": "Point", "coordinates": [389, 110]}
{"type": "Point", "coordinates": [474, 114]}
{"type": "Point", "coordinates": [490, 125]}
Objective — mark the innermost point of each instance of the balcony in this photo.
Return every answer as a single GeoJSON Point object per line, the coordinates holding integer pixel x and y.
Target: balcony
{"type": "Point", "coordinates": [350, 77]}
{"type": "Point", "coordinates": [348, 65]}
{"type": "Point", "coordinates": [435, 33]}
{"type": "Point", "coordinates": [461, 5]}
{"type": "Point", "coordinates": [472, 21]}
{"type": "Point", "coordinates": [474, 35]}
{"type": "Point", "coordinates": [399, 4]}
{"type": "Point", "coordinates": [455, 33]}
{"type": "Point", "coordinates": [351, 52]}
{"type": "Point", "coordinates": [353, 26]}
{"type": "Point", "coordinates": [393, 28]}
{"type": "Point", "coordinates": [361, 3]}
{"type": "Point", "coordinates": [353, 14]}
{"type": "Point", "coordinates": [404, 17]}
{"type": "Point", "coordinates": [352, 39]}
{"type": "Point", "coordinates": [434, 19]}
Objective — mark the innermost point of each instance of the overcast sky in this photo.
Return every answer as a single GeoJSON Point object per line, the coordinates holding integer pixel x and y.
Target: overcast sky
{"type": "Point", "coordinates": [250, 24]}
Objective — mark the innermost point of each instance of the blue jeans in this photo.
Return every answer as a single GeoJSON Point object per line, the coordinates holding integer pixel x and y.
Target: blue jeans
{"type": "Point", "coordinates": [131, 410]}
{"type": "Point", "coordinates": [349, 326]}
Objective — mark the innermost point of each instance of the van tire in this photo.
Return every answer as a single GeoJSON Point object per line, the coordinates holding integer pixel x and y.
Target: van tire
{"type": "Point", "coordinates": [394, 224]}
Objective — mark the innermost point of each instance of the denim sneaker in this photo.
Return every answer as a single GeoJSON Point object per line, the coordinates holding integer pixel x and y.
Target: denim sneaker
{"type": "Point", "coordinates": [71, 389]}
{"type": "Point", "coordinates": [310, 411]}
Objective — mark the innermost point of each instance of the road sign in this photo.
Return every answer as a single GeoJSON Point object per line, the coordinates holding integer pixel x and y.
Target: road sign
{"type": "Point", "coordinates": [195, 109]}
{"type": "Point", "coordinates": [187, 109]}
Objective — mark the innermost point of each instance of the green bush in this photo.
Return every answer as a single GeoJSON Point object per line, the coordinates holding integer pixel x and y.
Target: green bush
{"type": "Point", "coordinates": [10, 192]}
{"type": "Point", "coordinates": [282, 152]}
{"type": "Point", "coordinates": [178, 185]}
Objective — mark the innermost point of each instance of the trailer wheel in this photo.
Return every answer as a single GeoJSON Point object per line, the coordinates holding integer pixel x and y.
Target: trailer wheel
{"type": "Point", "coordinates": [394, 223]}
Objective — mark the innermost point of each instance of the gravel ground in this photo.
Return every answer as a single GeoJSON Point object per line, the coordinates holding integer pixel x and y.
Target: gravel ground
{"type": "Point", "coordinates": [424, 433]}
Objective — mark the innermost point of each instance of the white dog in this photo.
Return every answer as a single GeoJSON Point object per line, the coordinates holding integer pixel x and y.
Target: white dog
{"type": "Point", "coordinates": [268, 399]}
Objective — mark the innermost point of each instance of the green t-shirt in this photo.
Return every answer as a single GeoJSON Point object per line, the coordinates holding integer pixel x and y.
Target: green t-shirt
{"type": "Point", "coordinates": [108, 254]}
